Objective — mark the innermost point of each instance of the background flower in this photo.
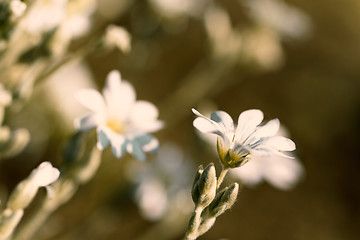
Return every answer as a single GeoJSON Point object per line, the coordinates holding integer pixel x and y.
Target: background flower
{"type": "Point", "coordinates": [120, 120]}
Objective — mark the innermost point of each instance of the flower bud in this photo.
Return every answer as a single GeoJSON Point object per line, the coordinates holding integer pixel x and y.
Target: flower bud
{"type": "Point", "coordinates": [118, 37]}
{"type": "Point", "coordinates": [194, 191]}
{"type": "Point", "coordinates": [204, 190]}
{"type": "Point", "coordinates": [26, 190]}
{"type": "Point", "coordinates": [224, 200]}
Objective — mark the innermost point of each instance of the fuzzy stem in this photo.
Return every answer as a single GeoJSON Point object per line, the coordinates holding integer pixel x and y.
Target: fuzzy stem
{"type": "Point", "coordinates": [221, 177]}
{"type": "Point", "coordinates": [194, 224]}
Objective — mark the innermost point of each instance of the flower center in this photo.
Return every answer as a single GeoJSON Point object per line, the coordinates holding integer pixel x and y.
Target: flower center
{"type": "Point", "coordinates": [115, 125]}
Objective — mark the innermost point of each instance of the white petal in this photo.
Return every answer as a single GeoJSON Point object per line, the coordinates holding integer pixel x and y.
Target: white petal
{"type": "Point", "coordinates": [280, 143]}
{"type": "Point", "coordinates": [223, 119]}
{"type": "Point", "coordinates": [250, 174]}
{"type": "Point", "coordinates": [87, 122]}
{"type": "Point", "coordinates": [44, 175]}
{"type": "Point", "coordinates": [136, 151]}
{"type": "Point", "coordinates": [247, 123]}
{"type": "Point", "coordinates": [102, 139]}
{"type": "Point", "coordinates": [268, 129]}
{"type": "Point", "coordinates": [144, 110]}
{"type": "Point", "coordinates": [118, 145]}
{"type": "Point", "coordinates": [147, 142]}
{"type": "Point", "coordinates": [206, 125]}
{"type": "Point", "coordinates": [119, 95]}
{"type": "Point", "coordinates": [92, 100]}
{"type": "Point", "coordinates": [283, 172]}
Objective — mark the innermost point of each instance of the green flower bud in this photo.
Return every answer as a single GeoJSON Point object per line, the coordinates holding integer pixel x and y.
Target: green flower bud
{"type": "Point", "coordinates": [204, 190]}
{"type": "Point", "coordinates": [224, 200]}
{"type": "Point", "coordinates": [194, 191]}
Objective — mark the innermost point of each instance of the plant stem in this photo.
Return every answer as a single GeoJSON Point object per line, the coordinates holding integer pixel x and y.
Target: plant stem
{"type": "Point", "coordinates": [221, 177]}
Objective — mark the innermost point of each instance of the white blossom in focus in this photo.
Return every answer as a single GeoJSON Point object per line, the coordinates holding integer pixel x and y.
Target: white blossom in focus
{"type": "Point", "coordinates": [44, 175]}
{"type": "Point", "coordinates": [120, 120]}
{"type": "Point", "coordinates": [249, 139]}
{"type": "Point", "coordinates": [118, 37]}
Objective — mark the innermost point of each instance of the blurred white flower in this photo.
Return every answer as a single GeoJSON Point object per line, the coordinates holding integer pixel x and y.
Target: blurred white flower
{"type": "Point", "coordinates": [44, 15]}
{"type": "Point", "coordinates": [118, 37]}
{"type": "Point", "coordinates": [288, 21]}
{"type": "Point", "coordinates": [237, 145]}
{"type": "Point", "coordinates": [160, 183]}
{"type": "Point", "coordinates": [121, 121]}
{"type": "Point", "coordinates": [76, 23]}
{"type": "Point", "coordinates": [262, 47]}
{"type": "Point", "coordinates": [44, 175]}
{"type": "Point", "coordinates": [17, 8]}
{"type": "Point", "coordinates": [281, 172]}
{"type": "Point", "coordinates": [226, 41]}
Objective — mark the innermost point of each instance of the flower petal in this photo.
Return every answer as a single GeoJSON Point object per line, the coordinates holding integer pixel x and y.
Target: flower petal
{"type": "Point", "coordinates": [118, 145]}
{"type": "Point", "coordinates": [224, 119]}
{"type": "Point", "coordinates": [247, 123]}
{"type": "Point", "coordinates": [283, 172]}
{"type": "Point", "coordinates": [280, 143]}
{"type": "Point", "coordinates": [250, 174]}
{"type": "Point", "coordinates": [103, 140]}
{"type": "Point", "coordinates": [44, 174]}
{"type": "Point", "coordinates": [268, 129]}
{"type": "Point", "coordinates": [206, 125]}
{"type": "Point", "coordinates": [135, 149]}
{"type": "Point", "coordinates": [86, 122]}
{"type": "Point", "coordinates": [148, 142]}
{"type": "Point", "coordinates": [143, 118]}
{"type": "Point", "coordinates": [119, 95]}
{"type": "Point", "coordinates": [92, 100]}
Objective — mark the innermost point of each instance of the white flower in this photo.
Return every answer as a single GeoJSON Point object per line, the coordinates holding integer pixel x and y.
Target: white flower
{"type": "Point", "coordinates": [281, 172]}
{"type": "Point", "coordinates": [161, 182]}
{"type": "Point", "coordinates": [116, 36]}
{"type": "Point", "coordinates": [237, 145]}
{"type": "Point", "coordinates": [44, 175]}
{"type": "Point", "coordinates": [121, 121]}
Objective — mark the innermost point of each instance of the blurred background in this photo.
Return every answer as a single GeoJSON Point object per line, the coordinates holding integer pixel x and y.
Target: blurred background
{"type": "Point", "coordinates": [295, 60]}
